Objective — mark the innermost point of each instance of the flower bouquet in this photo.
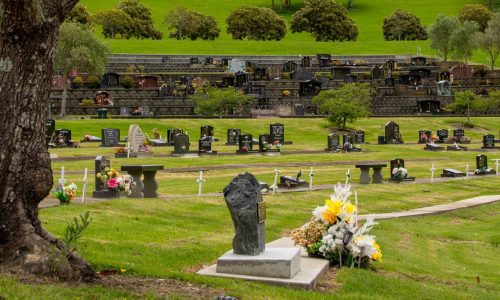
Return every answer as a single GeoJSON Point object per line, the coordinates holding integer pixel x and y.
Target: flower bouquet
{"type": "Point", "coordinates": [399, 173]}
{"type": "Point", "coordinates": [113, 181]}
{"type": "Point", "coordinates": [333, 233]}
{"type": "Point", "coordinates": [66, 194]}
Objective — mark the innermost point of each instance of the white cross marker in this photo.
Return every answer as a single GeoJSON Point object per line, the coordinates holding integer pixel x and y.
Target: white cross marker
{"type": "Point", "coordinates": [200, 181]}
{"type": "Point", "coordinates": [274, 187]}
{"type": "Point", "coordinates": [311, 174]}
{"type": "Point", "coordinates": [128, 150]}
{"type": "Point", "coordinates": [84, 189]}
{"type": "Point", "coordinates": [467, 171]}
{"type": "Point", "coordinates": [62, 181]}
{"type": "Point", "coordinates": [497, 164]}
{"type": "Point", "coordinates": [348, 175]}
{"type": "Point", "coordinates": [356, 203]}
{"type": "Point", "coordinates": [432, 172]}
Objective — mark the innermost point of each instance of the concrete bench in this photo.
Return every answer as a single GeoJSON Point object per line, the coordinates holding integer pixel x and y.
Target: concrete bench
{"type": "Point", "coordinates": [144, 188]}
{"type": "Point", "coordinates": [377, 176]}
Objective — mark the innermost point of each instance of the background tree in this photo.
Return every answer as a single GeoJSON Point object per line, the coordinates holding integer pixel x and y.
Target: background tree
{"type": "Point", "coordinates": [465, 102]}
{"type": "Point", "coordinates": [492, 103]}
{"type": "Point", "coordinates": [478, 13]}
{"type": "Point", "coordinates": [191, 24]}
{"type": "Point", "coordinates": [403, 25]}
{"type": "Point", "coordinates": [79, 14]}
{"type": "Point", "coordinates": [220, 102]}
{"type": "Point", "coordinates": [440, 33]}
{"type": "Point", "coordinates": [325, 20]}
{"type": "Point", "coordinates": [489, 41]}
{"type": "Point", "coordinates": [142, 25]}
{"type": "Point", "coordinates": [255, 23]}
{"type": "Point", "coordinates": [114, 22]}
{"type": "Point", "coordinates": [462, 40]}
{"type": "Point", "coordinates": [347, 104]}
{"type": "Point", "coordinates": [78, 48]}
{"type": "Point", "coordinates": [25, 174]}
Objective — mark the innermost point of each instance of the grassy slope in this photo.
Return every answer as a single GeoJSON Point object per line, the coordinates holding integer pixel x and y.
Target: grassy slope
{"type": "Point", "coordinates": [306, 134]}
{"type": "Point", "coordinates": [367, 14]}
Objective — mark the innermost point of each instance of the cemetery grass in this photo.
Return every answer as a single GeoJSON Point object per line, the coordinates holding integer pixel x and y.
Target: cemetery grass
{"type": "Point", "coordinates": [452, 255]}
{"type": "Point", "coordinates": [368, 15]}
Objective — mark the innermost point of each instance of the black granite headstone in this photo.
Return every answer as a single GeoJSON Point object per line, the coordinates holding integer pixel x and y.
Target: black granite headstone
{"type": "Point", "coordinates": [458, 134]}
{"type": "Point", "coordinates": [233, 135]}
{"type": "Point", "coordinates": [392, 133]}
{"type": "Point", "coordinates": [205, 145]}
{"type": "Point", "coordinates": [245, 142]}
{"type": "Point", "coordinates": [50, 130]}
{"type": "Point", "coordinates": [359, 137]}
{"type": "Point", "coordinates": [244, 201]}
{"type": "Point", "coordinates": [424, 136]}
{"type": "Point", "coordinates": [442, 135]}
{"type": "Point", "coordinates": [65, 134]}
{"type": "Point", "coordinates": [206, 131]}
{"type": "Point", "coordinates": [489, 141]}
{"type": "Point", "coordinates": [181, 143]}
{"type": "Point", "coordinates": [171, 133]}
{"type": "Point", "coordinates": [110, 137]}
{"type": "Point", "coordinates": [481, 162]}
{"type": "Point", "coordinates": [277, 132]}
{"type": "Point", "coordinates": [333, 141]}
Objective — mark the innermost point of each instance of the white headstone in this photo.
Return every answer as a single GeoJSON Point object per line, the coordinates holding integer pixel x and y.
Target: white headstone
{"type": "Point", "coordinates": [236, 65]}
{"type": "Point", "coordinates": [136, 137]}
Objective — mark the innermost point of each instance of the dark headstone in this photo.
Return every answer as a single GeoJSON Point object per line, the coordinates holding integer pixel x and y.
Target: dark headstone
{"type": "Point", "coordinates": [333, 141]}
{"type": "Point", "coordinates": [350, 78]}
{"type": "Point", "coordinates": [171, 133]}
{"type": "Point", "coordinates": [205, 145]}
{"type": "Point", "coordinates": [433, 147]}
{"type": "Point", "coordinates": [110, 137]}
{"type": "Point", "coordinates": [399, 163]}
{"type": "Point", "coordinates": [264, 140]}
{"type": "Point", "coordinates": [359, 137]}
{"type": "Point", "coordinates": [50, 130]}
{"type": "Point", "coordinates": [377, 73]}
{"type": "Point", "coordinates": [489, 141]}
{"type": "Point", "coordinates": [181, 143]}
{"type": "Point", "coordinates": [206, 131]}
{"type": "Point", "coordinates": [347, 138]}
{"type": "Point", "coordinates": [452, 173]}
{"type": "Point", "coordinates": [277, 132]}
{"type": "Point", "coordinates": [194, 60]}
{"type": "Point", "coordinates": [102, 164]}
{"type": "Point", "coordinates": [442, 135]}
{"type": "Point", "coordinates": [233, 135]}
{"type": "Point", "coordinates": [390, 81]}
{"type": "Point", "coordinates": [245, 142]}
{"type": "Point", "coordinates": [299, 110]}
{"type": "Point", "coordinates": [244, 200]}
{"type": "Point", "coordinates": [424, 136]}
{"type": "Point", "coordinates": [481, 162]}
{"type": "Point", "coordinates": [392, 133]}
{"type": "Point", "coordinates": [305, 62]}
{"type": "Point", "coordinates": [458, 134]}
{"type": "Point", "coordinates": [65, 134]}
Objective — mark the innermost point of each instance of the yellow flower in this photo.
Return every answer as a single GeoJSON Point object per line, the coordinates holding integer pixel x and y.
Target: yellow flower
{"type": "Point", "coordinates": [107, 169]}
{"type": "Point", "coordinates": [329, 216]}
{"type": "Point", "coordinates": [334, 207]}
{"type": "Point", "coordinates": [98, 175]}
{"type": "Point", "coordinates": [350, 208]}
{"type": "Point", "coordinates": [376, 246]}
{"type": "Point", "coordinates": [123, 270]}
{"type": "Point", "coordinates": [377, 256]}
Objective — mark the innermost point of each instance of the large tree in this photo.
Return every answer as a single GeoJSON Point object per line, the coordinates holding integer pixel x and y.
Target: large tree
{"type": "Point", "coordinates": [78, 48]}
{"type": "Point", "coordinates": [489, 41]}
{"type": "Point", "coordinates": [325, 20]}
{"type": "Point", "coordinates": [219, 102]}
{"type": "Point", "coordinates": [346, 104]}
{"type": "Point", "coordinates": [191, 24]}
{"type": "Point", "coordinates": [440, 33]}
{"type": "Point", "coordinates": [478, 13]}
{"type": "Point", "coordinates": [255, 23]}
{"type": "Point", "coordinates": [28, 36]}
{"type": "Point", "coordinates": [403, 25]}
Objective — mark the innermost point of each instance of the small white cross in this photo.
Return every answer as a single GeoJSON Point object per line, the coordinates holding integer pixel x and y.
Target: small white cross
{"type": "Point", "coordinates": [467, 171]}
{"type": "Point", "coordinates": [200, 181]}
{"type": "Point", "coordinates": [348, 176]}
{"type": "Point", "coordinates": [84, 189]}
{"type": "Point", "coordinates": [62, 181]}
{"type": "Point", "coordinates": [356, 203]}
{"type": "Point", "coordinates": [497, 164]}
{"type": "Point", "coordinates": [432, 172]}
{"type": "Point", "coordinates": [274, 187]}
{"type": "Point", "coordinates": [311, 174]}
{"type": "Point", "coordinates": [128, 150]}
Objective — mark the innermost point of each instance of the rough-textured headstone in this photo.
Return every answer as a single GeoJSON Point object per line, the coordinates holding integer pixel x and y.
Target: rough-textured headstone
{"type": "Point", "coordinates": [242, 198]}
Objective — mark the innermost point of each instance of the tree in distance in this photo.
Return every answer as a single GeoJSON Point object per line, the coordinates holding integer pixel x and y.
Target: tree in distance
{"type": "Point", "coordinates": [489, 41]}
{"type": "Point", "coordinates": [191, 24]}
{"type": "Point", "coordinates": [478, 13]}
{"type": "Point", "coordinates": [255, 23]}
{"type": "Point", "coordinates": [403, 26]}
{"type": "Point", "coordinates": [212, 101]}
{"type": "Point", "coordinates": [466, 102]}
{"type": "Point", "coordinates": [78, 48]}
{"type": "Point", "coordinates": [462, 40]}
{"type": "Point", "coordinates": [79, 14]}
{"type": "Point", "coordinates": [440, 33]}
{"type": "Point", "coordinates": [346, 104]}
{"type": "Point", "coordinates": [128, 19]}
{"type": "Point", "coordinates": [325, 20]}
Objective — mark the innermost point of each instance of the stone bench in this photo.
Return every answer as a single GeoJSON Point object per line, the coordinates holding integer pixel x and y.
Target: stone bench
{"type": "Point", "coordinates": [377, 176]}
{"type": "Point", "coordinates": [144, 188]}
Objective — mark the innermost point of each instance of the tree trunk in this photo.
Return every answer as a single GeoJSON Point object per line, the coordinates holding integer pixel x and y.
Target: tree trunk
{"type": "Point", "coordinates": [28, 35]}
{"type": "Point", "coordinates": [64, 96]}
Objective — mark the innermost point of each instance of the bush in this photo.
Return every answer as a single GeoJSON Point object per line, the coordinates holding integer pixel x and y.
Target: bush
{"type": "Point", "coordinates": [255, 23]}
{"type": "Point", "coordinates": [128, 82]}
{"type": "Point", "coordinates": [78, 14]}
{"type": "Point", "coordinates": [403, 25]}
{"type": "Point", "coordinates": [77, 82]}
{"type": "Point", "coordinates": [325, 20]}
{"type": "Point", "coordinates": [93, 82]}
{"type": "Point", "coordinates": [191, 24]}
{"type": "Point", "coordinates": [87, 102]}
{"type": "Point", "coordinates": [477, 13]}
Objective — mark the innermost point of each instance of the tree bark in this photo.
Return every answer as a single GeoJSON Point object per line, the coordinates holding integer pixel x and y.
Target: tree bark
{"type": "Point", "coordinates": [28, 36]}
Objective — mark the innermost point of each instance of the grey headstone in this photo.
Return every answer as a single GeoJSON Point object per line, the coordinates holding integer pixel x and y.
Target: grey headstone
{"type": "Point", "coordinates": [242, 197]}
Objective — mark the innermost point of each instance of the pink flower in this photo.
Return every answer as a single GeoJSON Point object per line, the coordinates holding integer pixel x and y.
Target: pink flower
{"type": "Point", "coordinates": [112, 183]}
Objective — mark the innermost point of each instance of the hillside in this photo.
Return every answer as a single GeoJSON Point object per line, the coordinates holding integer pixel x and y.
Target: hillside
{"type": "Point", "coordinates": [367, 14]}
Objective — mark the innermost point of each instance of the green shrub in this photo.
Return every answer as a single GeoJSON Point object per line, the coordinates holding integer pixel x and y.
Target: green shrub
{"type": "Point", "coordinates": [93, 82]}
{"type": "Point", "coordinates": [87, 102]}
{"type": "Point", "coordinates": [128, 82]}
{"type": "Point", "coordinates": [77, 82]}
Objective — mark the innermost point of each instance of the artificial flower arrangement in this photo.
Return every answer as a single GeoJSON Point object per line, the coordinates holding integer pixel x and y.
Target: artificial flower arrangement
{"type": "Point", "coordinates": [286, 93]}
{"type": "Point", "coordinates": [334, 234]}
{"type": "Point", "coordinates": [113, 181]}
{"type": "Point", "coordinates": [66, 193]}
{"type": "Point", "coordinates": [399, 173]}
{"type": "Point", "coordinates": [269, 146]}
{"type": "Point", "coordinates": [121, 150]}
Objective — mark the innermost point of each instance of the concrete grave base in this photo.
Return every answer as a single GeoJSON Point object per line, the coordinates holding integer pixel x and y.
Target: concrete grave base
{"type": "Point", "coordinates": [307, 277]}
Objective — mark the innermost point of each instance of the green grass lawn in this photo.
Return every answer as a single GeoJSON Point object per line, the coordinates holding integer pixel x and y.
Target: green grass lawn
{"type": "Point", "coordinates": [368, 15]}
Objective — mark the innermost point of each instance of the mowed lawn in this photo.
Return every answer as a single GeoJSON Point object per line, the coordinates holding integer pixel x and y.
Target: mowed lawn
{"type": "Point", "coordinates": [368, 15]}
